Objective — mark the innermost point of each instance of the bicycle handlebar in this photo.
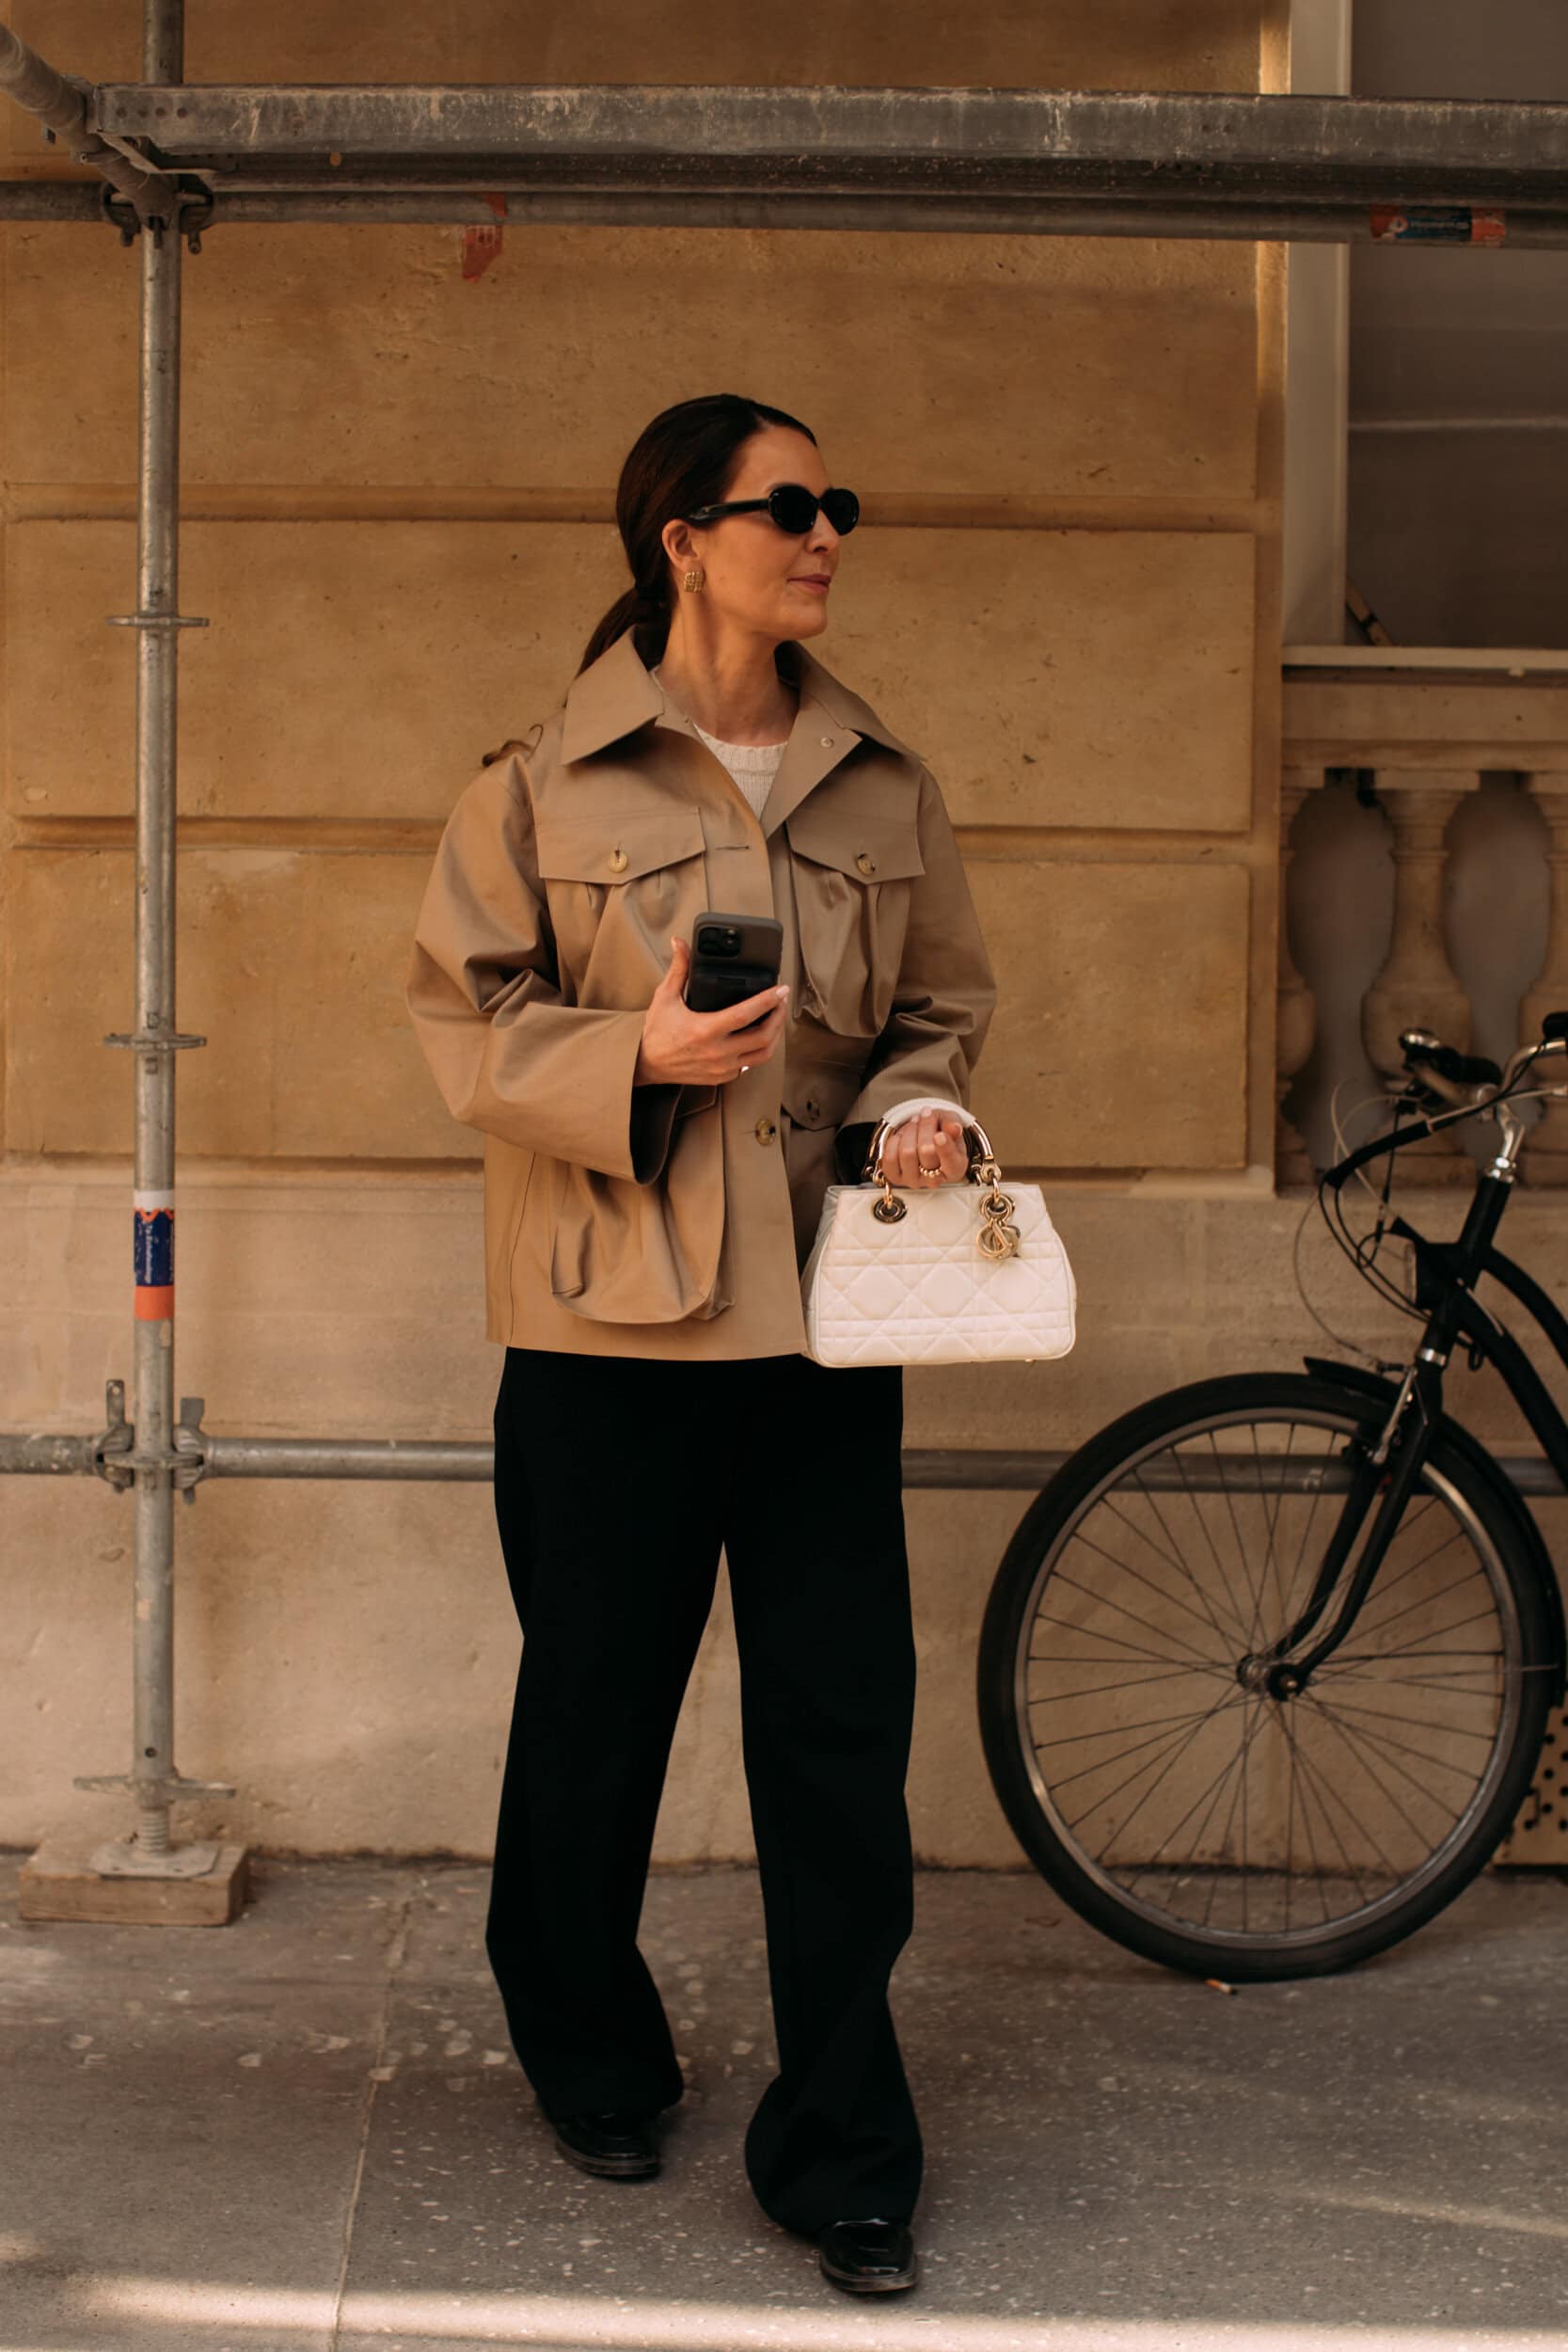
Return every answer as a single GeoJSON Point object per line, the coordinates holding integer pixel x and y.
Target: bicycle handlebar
{"type": "Point", "coordinates": [1463, 1070]}
{"type": "Point", "coordinates": [1467, 1081]}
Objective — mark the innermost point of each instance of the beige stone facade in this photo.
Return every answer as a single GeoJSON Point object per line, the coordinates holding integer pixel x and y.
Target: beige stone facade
{"type": "Point", "coordinates": [398, 489]}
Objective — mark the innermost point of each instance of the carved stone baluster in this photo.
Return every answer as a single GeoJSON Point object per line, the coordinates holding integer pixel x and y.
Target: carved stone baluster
{"type": "Point", "coordinates": [1417, 988]}
{"type": "Point", "coordinates": [1296, 1011]}
{"type": "Point", "coordinates": [1546, 1158]}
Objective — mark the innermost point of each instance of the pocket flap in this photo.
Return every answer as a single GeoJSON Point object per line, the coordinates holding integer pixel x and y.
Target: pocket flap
{"type": "Point", "coordinates": [873, 847]}
{"type": "Point", "coordinates": [608, 847]}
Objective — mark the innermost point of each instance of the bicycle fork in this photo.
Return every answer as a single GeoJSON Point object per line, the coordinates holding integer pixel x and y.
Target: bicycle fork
{"type": "Point", "coordinates": [1389, 1469]}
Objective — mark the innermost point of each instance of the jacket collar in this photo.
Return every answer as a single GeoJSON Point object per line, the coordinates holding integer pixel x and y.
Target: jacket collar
{"type": "Point", "coordinates": [615, 695]}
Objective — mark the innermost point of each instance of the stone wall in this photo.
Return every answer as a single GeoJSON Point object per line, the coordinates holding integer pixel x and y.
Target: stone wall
{"type": "Point", "coordinates": [398, 496]}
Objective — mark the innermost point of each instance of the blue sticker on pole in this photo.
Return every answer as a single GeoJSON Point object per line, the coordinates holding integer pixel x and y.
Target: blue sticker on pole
{"type": "Point", "coordinates": [153, 1255]}
{"type": "Point", "coordinates": [1438, 224]}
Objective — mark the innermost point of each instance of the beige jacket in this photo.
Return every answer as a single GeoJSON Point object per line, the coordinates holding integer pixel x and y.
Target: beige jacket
{"type": "Point", "coordinates": [673, 1220]}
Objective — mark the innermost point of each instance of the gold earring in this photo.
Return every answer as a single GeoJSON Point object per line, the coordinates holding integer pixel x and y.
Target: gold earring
{"type": "Point", "coordinates": [695, 578]}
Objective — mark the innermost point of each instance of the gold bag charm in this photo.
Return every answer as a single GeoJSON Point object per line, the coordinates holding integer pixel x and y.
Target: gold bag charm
{"type": "Point", "coordinates": [998, 1236]}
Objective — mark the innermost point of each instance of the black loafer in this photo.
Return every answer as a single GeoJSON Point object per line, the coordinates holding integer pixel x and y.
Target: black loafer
{"type": "Point", "coordinates": [617, 2146]}
{"type": "Point", "coordinates": [868, 2257]}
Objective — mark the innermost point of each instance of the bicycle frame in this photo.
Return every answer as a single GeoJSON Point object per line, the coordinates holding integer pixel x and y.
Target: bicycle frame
{"type": "Point", "coordinates": [1446, 1273]}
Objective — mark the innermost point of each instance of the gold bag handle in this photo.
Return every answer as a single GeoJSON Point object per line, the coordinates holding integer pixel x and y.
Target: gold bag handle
{"type": "Point", "coordinates": [997, 1237]}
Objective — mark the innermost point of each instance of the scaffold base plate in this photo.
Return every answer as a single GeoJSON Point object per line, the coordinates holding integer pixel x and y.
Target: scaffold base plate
{"type": "Point", "coordinates": [58, 1881]}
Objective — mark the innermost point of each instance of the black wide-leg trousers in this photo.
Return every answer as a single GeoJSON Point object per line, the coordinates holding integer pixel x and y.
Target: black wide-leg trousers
{"type": "Point", "coordinates": [617, 1479]}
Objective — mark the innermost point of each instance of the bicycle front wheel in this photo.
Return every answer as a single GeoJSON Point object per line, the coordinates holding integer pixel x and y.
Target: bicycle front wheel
{"type": "Point", "coordinates": [1199, 1820]}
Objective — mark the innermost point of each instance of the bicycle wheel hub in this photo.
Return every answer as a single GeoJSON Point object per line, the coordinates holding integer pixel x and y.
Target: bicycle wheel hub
{"type": "Point", "coordinates": [1278, 1677]}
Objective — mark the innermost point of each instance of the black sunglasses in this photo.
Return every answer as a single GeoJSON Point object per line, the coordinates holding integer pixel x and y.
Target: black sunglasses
{"type": "Point", "coordinates": [793, 508]}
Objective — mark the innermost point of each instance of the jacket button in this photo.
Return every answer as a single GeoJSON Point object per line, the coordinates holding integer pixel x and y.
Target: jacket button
{"type": "Point", "coordinates": [827, 740]}
{"type": "Point", "coordinates": [617, 860]}
{"type": "Point", "coordinates": [766, 1131]}
{"type": "Point", "coordinates": [866, 864]}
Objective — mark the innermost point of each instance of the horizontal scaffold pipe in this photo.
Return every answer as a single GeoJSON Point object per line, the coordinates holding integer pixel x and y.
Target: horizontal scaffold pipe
{"type": "Point", "coordinates": [986, 1468]}
{"type": "Point", "coordinates": [1138, 146]}
{"type": "Point", "coordinates": [980, 215]}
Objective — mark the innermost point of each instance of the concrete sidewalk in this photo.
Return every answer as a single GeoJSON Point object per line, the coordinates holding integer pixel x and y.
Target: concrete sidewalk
{"type": "Point", "coordinates": [307, 2130]}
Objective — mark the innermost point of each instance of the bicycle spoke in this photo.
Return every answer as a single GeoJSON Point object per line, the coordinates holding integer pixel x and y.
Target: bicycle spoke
{"type": "Point", "coordinates": [1379, 1740]}
{"type": "Point", "coordinates": [1310, 1779]}
{"type": "Point", "coordinates": [1381, 1591]}
{"type": "Point", "coordinates": [1214, 1792]}
{"type": "Point", "coordinates": [1411, 1722]}
{"type": "Point", "coordinates": [1076, 1738]}
{"type": "Point", "coordinates": [1241, 1547]}
{"type": "Point", "coordinates": [1405, 1651]}
{"type": "Point", "coordinates": [1330, 1670]}
{"type": "Point", "coordinates": [1381, 1785]}
{"type": "Point", "coordinates": [1155, 1657]}
{"type": "Point", "coordinates": [1088, 1544]}
{"type": "Point", "coordinates": [1270, 1555]}
{"type": "Point", "coordinates": [1132, 1682]}
{"type": "Point", "coordinates": [1061, 1576]}
{"type": "Point", "coordinates": [1180, 1569]}
{"type": "Point", "coordinates": [1319, 1874]}
{"type": "Point", "coordinates": [1181, 1461]}
{"type": "Point", "coordinates": [1427, 1600]}
{"type": "Point", "coordinates": [1301, 1554]}
{"type": "Point", "coordinates": [1177, 1746]}
{"type": "Point", "coordinates": [1240, 1790]}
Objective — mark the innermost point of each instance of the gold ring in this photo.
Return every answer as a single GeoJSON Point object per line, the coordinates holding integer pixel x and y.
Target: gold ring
{"type": "Point", "coordinates": [928, 1171]}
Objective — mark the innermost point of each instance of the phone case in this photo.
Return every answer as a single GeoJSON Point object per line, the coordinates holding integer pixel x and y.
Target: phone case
{"type": "Point", "coordinates": [716, 982]}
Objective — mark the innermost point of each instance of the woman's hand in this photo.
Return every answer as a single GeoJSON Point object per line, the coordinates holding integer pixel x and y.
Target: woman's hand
{"type": "Point", "coordinates": [685, 1048]}
{"type": "Point", "coordinates": [929, 1148]}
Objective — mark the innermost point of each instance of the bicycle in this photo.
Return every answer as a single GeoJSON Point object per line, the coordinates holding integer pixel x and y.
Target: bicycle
{"type": "Point", "coordinates": [1180, 1739]}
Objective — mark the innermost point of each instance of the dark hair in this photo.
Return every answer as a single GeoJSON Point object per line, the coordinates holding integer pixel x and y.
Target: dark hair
{"type": "Point", "coordinates": [682, 459]}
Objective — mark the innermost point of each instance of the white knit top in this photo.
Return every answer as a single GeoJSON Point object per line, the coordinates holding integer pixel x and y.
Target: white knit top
{"type": "Point", "coordinates": [751, 765]}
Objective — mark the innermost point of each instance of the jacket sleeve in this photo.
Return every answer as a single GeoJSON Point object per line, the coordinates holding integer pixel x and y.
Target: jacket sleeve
{"type": "Point", "coordinates": [509, 1056]}
{"type": "Point", "coordinates": [946, 990]}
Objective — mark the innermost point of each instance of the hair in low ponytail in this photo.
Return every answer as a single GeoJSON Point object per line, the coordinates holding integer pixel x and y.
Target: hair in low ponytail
{"type": "Point", "coordinates": [684, 458]}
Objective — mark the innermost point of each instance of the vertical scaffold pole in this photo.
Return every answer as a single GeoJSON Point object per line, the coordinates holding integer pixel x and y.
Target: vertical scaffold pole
{"type": "Point", "coordinates": [157, 678]}
{"type": "Point", "coordinates": [153, 1780]}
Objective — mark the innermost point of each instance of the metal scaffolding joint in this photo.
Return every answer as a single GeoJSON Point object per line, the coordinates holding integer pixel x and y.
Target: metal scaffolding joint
{"type": "Point", "coordinates": [154, 1040]}
{"type": "Point", "coordinates": [189, 207]}
{"type": "Point", "coordinates": [156, 620]}
{"type": "Point", "coordinates": [160, 1788]}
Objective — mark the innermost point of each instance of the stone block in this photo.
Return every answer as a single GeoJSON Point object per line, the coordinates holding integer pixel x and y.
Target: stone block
{"type": "Point", "coordinates": [352, 672]}
{"type": "Point", "coordinates": [58, 1881]}
{"type": "Point", "coordinates": [360, 671]}
{"type": "Point", "coordinates": [1100, 680]}
{"type": "Point", "coordinates": [291, 965]}
{"type": "Point", "coordinates": [1121, 1036]}
{"type": "Point", "coordinates": [1006, 367]}
{"type": "Point", "coordinates": [1123, 45]}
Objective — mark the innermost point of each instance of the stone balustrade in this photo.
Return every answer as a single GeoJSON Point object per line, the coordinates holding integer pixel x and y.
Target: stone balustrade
{"type": "Point", "coordinates": [1429, 743]}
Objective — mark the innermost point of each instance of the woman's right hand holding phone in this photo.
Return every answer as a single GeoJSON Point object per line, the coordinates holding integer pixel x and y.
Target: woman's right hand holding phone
{"type": "Point", "coordinates": [685, 1048]}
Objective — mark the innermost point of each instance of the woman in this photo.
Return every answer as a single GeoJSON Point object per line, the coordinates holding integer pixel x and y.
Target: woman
{"type": "Point", "coordinates": [653, 1181]}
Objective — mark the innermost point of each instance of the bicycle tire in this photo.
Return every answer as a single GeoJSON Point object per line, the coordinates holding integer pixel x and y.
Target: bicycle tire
{"type": "Point", "coordinates": [1455, 1468]}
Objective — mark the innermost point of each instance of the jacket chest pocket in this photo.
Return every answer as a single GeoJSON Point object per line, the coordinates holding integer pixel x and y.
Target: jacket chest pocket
{"type": "Point", "coordinates": [852, 873]}
{"type": "Point", "coordinates": [617, 887]}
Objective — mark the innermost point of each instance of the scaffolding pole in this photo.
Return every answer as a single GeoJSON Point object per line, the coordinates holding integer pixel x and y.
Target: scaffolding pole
{"type": "Point", "coordinates": [153, 1781]}
{"type": "Point", "coordinates": [989, 1469]}
{"type": "Point", "coordinates": [525, 207]}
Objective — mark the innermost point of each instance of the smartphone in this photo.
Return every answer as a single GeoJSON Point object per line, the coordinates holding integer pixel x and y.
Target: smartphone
{"type": "Point", "coordinates": [733, 957]}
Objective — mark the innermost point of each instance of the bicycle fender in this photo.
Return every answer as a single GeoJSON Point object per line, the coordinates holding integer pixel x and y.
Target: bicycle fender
{"type": "Point", "coordinates": [1371, 1384]}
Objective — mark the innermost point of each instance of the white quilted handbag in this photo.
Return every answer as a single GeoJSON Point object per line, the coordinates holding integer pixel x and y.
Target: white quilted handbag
{"type": "Point", "coordinates": [962, 1273]}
